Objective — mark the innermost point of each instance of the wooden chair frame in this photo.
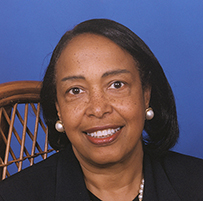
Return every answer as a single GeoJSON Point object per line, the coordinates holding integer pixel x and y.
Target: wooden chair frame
{"type": "Point", "coordinates": [12, 95]}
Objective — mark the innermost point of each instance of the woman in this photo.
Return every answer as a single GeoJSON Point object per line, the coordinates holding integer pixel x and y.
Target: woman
{"type": "Point", "coordinates": [102, 88]}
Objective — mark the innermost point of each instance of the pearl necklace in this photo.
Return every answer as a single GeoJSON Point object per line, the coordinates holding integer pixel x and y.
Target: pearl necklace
{"type": "Point", "coordinates": [140, 196]}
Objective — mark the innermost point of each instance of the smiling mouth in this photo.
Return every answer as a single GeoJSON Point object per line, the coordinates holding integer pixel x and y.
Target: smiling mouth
{"type": "Point", "coordinates": [103, 133]}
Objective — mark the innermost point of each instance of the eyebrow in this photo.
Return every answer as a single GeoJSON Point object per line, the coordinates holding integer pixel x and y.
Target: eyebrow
{"type": "Point", "coordinates": [80, 77]}
{"type": "Point", "coordinates": [75, 77]}
{"type": "Point", "coordinates": [115, 72]}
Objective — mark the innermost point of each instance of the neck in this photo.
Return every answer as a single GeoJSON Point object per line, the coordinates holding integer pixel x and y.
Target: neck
{"type": "Point", "coordinates": [117, 181]}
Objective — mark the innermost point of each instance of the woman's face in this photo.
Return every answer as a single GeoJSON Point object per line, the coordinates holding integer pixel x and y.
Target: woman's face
{"type": "Point", "coordinates": [100, 100]}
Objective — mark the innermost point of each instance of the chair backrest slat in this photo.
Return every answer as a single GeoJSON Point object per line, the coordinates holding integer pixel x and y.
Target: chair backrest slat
{"type": "Point", "coordinates": [9, 139]}
{"type": "Point", "coordinates": [23, 134]}
{"type": "Point", "coordinates": [23, 137]}
{"type": "Point", "coordinates": [35, 135]}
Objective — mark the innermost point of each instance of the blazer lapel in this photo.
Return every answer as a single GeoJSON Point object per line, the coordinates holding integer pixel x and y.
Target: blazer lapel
{"type": "Point", "coordinates": [70, 184]}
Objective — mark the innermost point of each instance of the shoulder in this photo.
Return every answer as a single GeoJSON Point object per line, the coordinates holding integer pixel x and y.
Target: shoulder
{"type": "Point", "coordinates": [185, 173]}
{"type": "Point", "coordinates": [39, 177]}
{"type": "Point", "coordinates": [43, 168]}
{"type": "Point", "coordinates": [174, 176]}
{"type": "Point", "coordinates": [182, 163]}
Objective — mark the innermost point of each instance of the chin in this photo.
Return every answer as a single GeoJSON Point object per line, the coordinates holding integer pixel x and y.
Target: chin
{"type": "Point", "coordinates": [109, 159]}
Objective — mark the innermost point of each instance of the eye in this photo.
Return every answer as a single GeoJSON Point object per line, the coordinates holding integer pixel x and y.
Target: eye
{"type": "Point", "coordinates": [117, 85]}
{"type": "Point", "coordinates": [75, 91]}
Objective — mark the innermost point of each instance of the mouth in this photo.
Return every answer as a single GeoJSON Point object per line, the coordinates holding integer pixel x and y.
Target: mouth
{"type": "Point", "coordinates": [103, 133]}
{"type": "Point", "coordinates": [103, 136]}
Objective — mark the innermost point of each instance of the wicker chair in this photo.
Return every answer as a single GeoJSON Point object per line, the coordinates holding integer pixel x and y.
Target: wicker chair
{"type": "Point", "coordinates": [23, 134]}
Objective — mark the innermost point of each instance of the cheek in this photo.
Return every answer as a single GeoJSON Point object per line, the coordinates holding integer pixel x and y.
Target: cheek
{"type": "Point", "coordinates": [130, 108]}
{"type": "Point", "coordinates": [72, 114]}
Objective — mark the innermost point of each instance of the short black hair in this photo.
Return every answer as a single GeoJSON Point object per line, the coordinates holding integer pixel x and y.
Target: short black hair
{"type": "Point", "coordinates": [162, 131]}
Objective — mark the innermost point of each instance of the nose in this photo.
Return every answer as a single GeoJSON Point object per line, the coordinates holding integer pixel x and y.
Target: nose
{"type": "Point", "coordinates": [98, 105]}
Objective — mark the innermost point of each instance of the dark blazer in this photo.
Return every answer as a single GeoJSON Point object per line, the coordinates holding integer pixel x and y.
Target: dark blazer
{"type": "Point", "coordinates": [175, 177]}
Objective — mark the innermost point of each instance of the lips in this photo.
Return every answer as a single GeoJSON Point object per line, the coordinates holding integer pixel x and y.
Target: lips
{"type": "Point", "coordinates": [103, 136]}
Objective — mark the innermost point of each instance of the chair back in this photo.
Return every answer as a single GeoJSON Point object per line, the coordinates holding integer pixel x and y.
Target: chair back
{"type": "Point", "coordinates": [23, 134]}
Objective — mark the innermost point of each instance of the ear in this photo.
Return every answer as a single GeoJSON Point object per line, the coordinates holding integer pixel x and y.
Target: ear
{"type": "Point", "coordinates": [58, 110]}
{"type": "Point", "coordinates": [147, 96]}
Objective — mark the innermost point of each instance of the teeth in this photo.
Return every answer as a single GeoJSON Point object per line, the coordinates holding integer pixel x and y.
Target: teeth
{"type": "Point", "coordinates": [104, 133]}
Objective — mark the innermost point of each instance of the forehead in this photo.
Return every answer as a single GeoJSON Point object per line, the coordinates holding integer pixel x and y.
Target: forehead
{"type": "Point", "coordinates": [93, 52]}
{"type": "Point", "coordinates": [90, 40]}
{"type": "Point", "coordinates": [91, 44]}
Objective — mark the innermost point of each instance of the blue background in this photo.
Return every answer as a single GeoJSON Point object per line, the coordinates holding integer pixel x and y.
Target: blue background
{"type": "Point", "coordinates": [173, 29]}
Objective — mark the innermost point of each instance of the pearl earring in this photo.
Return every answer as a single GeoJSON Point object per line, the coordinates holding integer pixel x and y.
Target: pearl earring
{"type": "Point", "coordinates": [149, 113]}
{"type": "Point", "coordinates": [59, 126]}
